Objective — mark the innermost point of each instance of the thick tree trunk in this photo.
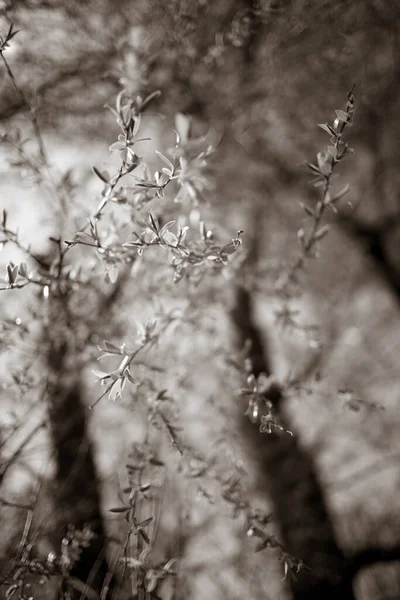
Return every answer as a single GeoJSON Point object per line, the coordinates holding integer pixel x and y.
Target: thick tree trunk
{"type": "Point", "coordinates": [77, 495]}
{"type": "Point", "coordinates": [290, 476]}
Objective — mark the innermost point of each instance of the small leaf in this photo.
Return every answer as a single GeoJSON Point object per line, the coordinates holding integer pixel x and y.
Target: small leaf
{"type": "Point", "coordinates": [113, 273]}
{"type": "Point", "coordinates": [81, 236]}
{"type": "Point", "coordinates": [138, 120]}
{"type": "Point", "coordinates": [332, 151]}
{"type": "Point", "coordinates": [120, 509]}
{"type": "Point", "coordinates": [308, 210]}
{"type": "Point", "coordinates": [157, 176]}
{"type": "Point", "coordinates": [152, 583]}
{"type": "Point", "coordinates": [353, 405]}
{"type": "Point", "coordinates": [100, 374]}
{"type": "Point", "coordinates": [23, 270]}
{"type": "Point", "coordinates": [12, 273]}
{"type": "Point", "coordinates": [183, 124]}
{"type": "Point", "coordinates": [313, 168]}
{"type": "Point", "coordinates": [156, 462]}
{"type": "Point", "coordinates": [154, 223]}
{"type": "Point", "coordinates": [117, 389]}
{"type": "Point", "coordinates": [127, 374]}
{"type": "Point", "coordinates": [203, 231]}
{"type": "Point", "coordinates": [340, 194]}
{"type": "Point", "coordinates": [229, 249]}
{"type": "Point", "coordinates": [169, 564]}
{"type": "Point", "coordinates": [170, 238]}
{"type": "Point", "coordinates": [166, 160]}
{"type": "Point", "coordinates": [144, 536]}
{"type": "Point", "coordinates": [110, 347]}
{"type": "Point", "coordinates": [119, 100]}
{"type": "Point", "coordinates": [327, 128]}
{"type": "Point", "coordinates": [343, 116]}
{"type": "Point", "coordinates": [12, 34]}
{"type": "Point", "coordinates": [116, 146]}
{"type": "Point", "coordinates": [153, 96]}
{"type": "Point", "coordinates": [114, 112]}
{"type": "Point", "coordinates": [102, 175]}
{"type": "Point", "coordinates": [324, 162]}
{"type": "Point", "coordinates": [322, 232]}
{"type": "Point", "coordinates": [166, 227]}
{"type": "Point", "coordinates": [93, 229]}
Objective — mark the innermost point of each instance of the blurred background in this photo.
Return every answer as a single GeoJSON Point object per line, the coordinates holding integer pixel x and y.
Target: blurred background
{"type": "Point", "coordinates": [254, 78]}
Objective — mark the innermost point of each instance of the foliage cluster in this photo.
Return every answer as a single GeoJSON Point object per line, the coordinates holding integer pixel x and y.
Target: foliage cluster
{"type": "Point", "coordinates": [148, 242]}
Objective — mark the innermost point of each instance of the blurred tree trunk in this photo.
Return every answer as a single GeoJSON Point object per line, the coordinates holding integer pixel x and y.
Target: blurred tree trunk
{"type": "Point", "coordinates": [287, 469]}
{"type": "Point", "coordinates": [77, 490]}
{"type": "Point", "coordinates": [289, 474]}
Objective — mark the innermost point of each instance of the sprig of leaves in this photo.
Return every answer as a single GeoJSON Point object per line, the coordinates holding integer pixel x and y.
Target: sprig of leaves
{"type": "Point", "coordinates": [322, 171]}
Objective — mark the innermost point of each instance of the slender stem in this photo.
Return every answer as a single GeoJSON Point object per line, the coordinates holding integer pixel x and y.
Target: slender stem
{"type": "Point", "coordinates": [38, 134]}
{"type": "Point", "coordinates": [32, 115]}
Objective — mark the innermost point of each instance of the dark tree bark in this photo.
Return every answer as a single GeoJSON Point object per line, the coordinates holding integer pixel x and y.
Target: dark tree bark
{"type": "Point", "coordinates": [290, 476]}
{"type": "Point", "coordinates": [77, 494]}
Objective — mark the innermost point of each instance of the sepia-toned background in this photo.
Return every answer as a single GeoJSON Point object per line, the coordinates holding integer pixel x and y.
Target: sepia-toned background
{"type": "Point", "coordinates": [255, 78]}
